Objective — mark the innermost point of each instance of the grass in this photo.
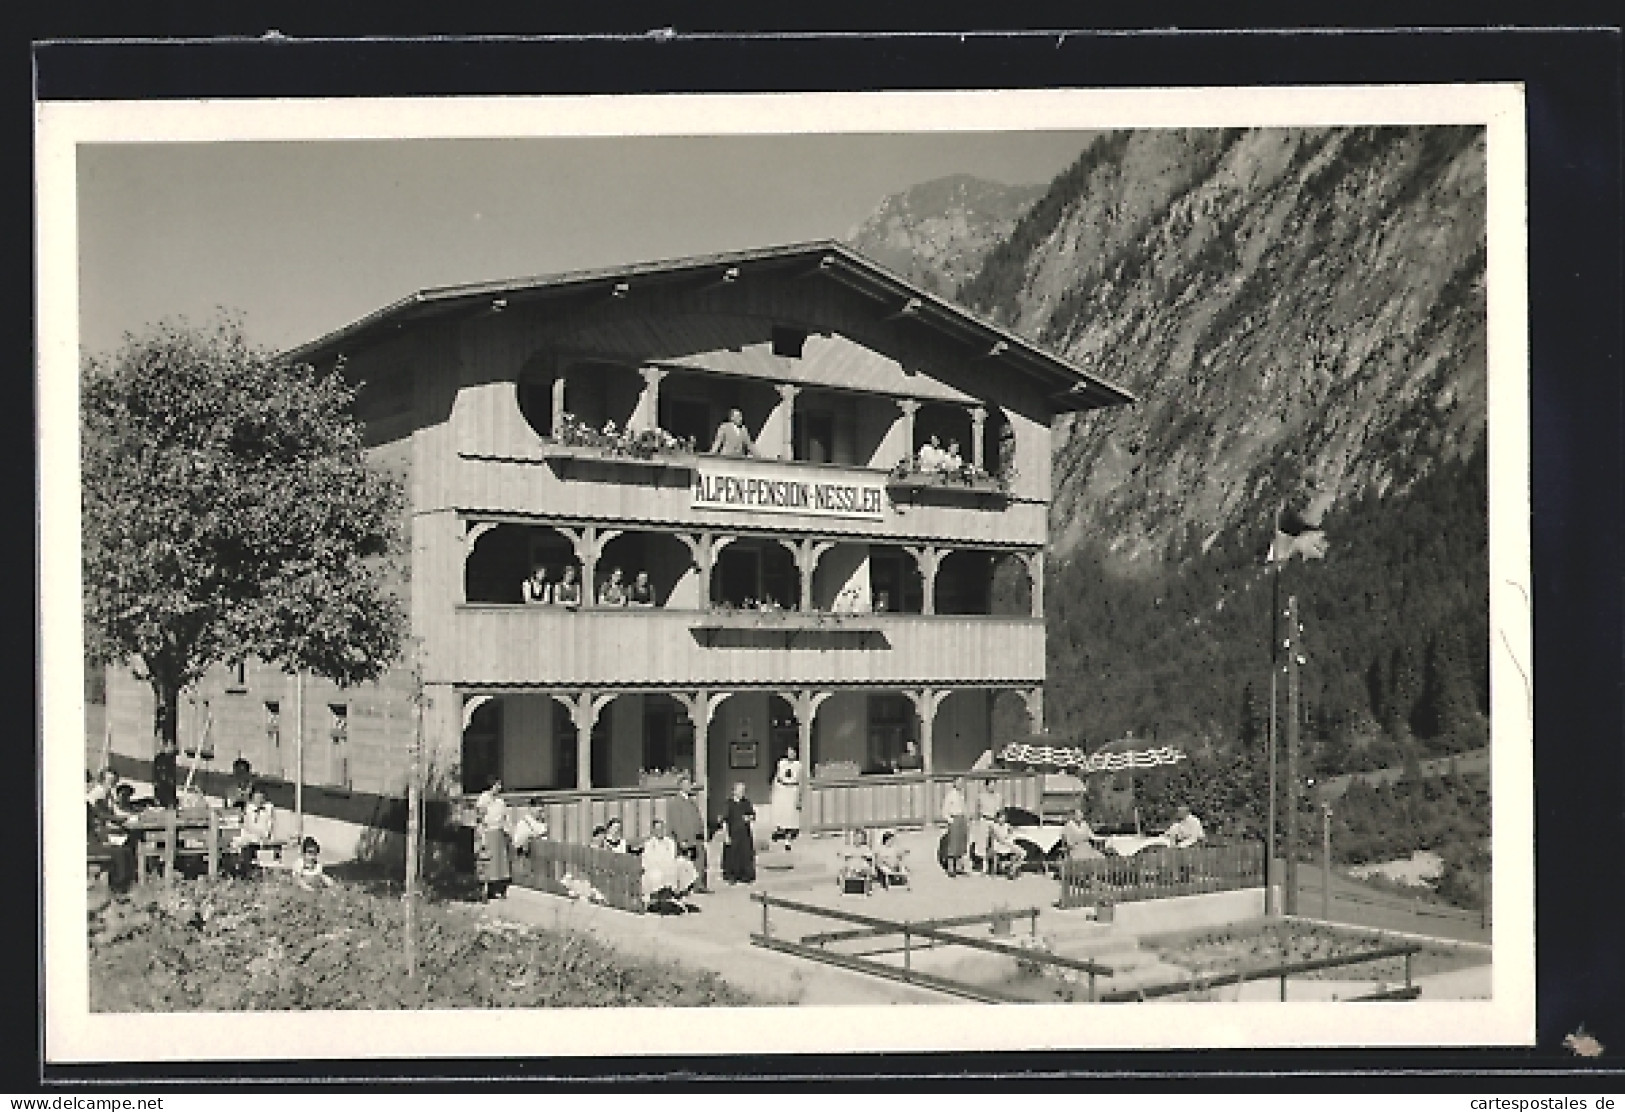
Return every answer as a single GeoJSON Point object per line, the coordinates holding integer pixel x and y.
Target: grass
{"type": "Point", "coordinates": [230, 945]}
{"type": "Point", "coordinates": [1257, 945]}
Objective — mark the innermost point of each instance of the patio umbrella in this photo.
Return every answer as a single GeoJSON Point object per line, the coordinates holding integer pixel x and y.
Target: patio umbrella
{"type": "Point", "coordinates": [1122, 755]}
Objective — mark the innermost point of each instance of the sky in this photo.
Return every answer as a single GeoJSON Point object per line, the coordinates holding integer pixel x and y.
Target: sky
{"type": "Point", "coordinates": [304, 237]}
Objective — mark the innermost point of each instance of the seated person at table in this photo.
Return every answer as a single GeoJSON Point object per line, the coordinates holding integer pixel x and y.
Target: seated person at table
{"type": "Point", "coordinates": [930, 457]}
{"type": "Point", "coordinates": [1186, 829]}
{"type": "Point", "coordinates": [613, 592]}
{"type": "Point", "coordinates": [1079, 837]}
{"type": "Point", "coordinates": [242, 783]}
{"type": "Point", "coordinates": [1003, 854]}
{"type": "Point", "coordinates": [890, 864]}
{"type": "Point", "coordinates": [259, 829]}
{"type": "Point", "coordinates": [536, 589]}
{"type": "Point", "coordinates": [125, 800]}
{"type": "Point", "coordinates": [596, 839]}
{"type": "Point", "coordinates": [951, 459]}
{"type": "Point", "coordinates": [615, 836]}
{"type": "Point", "coordinates": [642, 592]}
{"type": "Point", "coordinates": [104, 797]}
{"type": "Point", "coordinates": [667, 875]}
{"type": "Point", "coordinates": [307, 871]}
{"type": "Point", "coordinates": [567, 592]}
{"type": "Point", "coordinates": [105, 838]}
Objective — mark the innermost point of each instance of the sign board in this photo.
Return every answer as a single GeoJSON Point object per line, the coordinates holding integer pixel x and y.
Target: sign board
{"type": "Point", "coordinates": [718, 487]}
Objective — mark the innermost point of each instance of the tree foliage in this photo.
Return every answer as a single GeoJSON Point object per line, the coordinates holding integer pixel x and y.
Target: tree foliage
{"type": "Point", "coordinates": [229, 512]}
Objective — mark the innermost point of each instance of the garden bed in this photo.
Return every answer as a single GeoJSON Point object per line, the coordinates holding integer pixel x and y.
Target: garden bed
{"type": "Point", "coordinates": [226, 945]}
{"type": "Point", "coordinates": [1261, 944]}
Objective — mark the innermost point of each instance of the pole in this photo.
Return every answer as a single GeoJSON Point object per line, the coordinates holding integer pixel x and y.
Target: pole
{"type": "Point", "coordinates": [413, 802]}
{"type": "Point", "coordinates": [1292, 785]}
{"type": "Point", "coordinates": [1326, 862]}
{"type": "Point", "coordinates": [1270, 907]}
{"type": "Point", "coordinates": [299, 756]}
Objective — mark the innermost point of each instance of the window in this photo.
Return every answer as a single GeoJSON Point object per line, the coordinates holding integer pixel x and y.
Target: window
{"type": "Point", "coordinates": [788, 341]}
{"type": "Point", "coordinates": [891, 724]}
{"type": "Point", "coordinates": [338, 732]}
{"type": "Point", "coordinates": [238, 683]}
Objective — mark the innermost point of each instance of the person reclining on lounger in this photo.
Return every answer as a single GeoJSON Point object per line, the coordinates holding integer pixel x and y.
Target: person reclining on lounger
{"type": "Point", "coordinates": [667, 875]}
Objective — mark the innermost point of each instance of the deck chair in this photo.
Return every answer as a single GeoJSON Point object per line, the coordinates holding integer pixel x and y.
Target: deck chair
{"type": "Point", "coordinates": [856, 876]}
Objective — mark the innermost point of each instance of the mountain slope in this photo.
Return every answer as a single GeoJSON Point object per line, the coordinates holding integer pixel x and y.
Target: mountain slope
{"type": "Point", "coordinates": [937, 233]}
{"type": "Point", "coordinates": [1283, 301]}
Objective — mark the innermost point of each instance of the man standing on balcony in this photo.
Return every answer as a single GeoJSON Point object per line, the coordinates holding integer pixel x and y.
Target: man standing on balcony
{"type": "Point", "coordinates": [687, 828]}
{"type": "Point", "coordinates": [733, 438]}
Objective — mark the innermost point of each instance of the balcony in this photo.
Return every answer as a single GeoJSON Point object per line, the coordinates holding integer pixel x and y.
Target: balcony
{"type": "Point", "coordinates": [502, 645]}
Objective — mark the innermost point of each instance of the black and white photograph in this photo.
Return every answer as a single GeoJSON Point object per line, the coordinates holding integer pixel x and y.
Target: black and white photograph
{"type": "Point", "coordinates": [565, 558]}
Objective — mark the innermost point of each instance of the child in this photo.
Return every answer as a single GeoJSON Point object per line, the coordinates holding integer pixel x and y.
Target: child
{"type": "Point", "coordinates": [307, 871]}
{"type": "Point", "coordinates": [890, 867]}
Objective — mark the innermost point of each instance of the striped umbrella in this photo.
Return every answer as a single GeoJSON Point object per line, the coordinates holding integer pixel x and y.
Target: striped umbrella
{"type": "Point", "coordinates": [1123, 755]}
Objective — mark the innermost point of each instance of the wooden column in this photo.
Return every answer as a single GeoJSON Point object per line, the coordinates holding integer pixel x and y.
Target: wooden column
{"type": "Point", "coordinates": [702, 707]}
{"type": "Point", "coordinates": [929, 559]}
{"type": "Point", "coordinates": [442, 738]}
{"type": "Point", "coordinates": [978, 423]}
{"type": "Point", "coordinates": [649, 404]}
{"type": "Point", "coordinates": [805, 704]}
{"type": "Point", "coordinates": [584, 708]}
{"type": "Point", "coordinates": [926, 700]}
{"type": "Point", "coordinates": [1035, 577]}
{"type": "Point", "coordinates": [589, 541]}
{"type": "Point", "coordinates": [909, 407]}
{"type": "Point", "coordinates": [808, 551]}
{"type": "Point", "coordinates": [1034, 698]}
{"type": "Point", "coordinates": [787, 416]}
{"type": "Point", "coordinates": [558, 401]}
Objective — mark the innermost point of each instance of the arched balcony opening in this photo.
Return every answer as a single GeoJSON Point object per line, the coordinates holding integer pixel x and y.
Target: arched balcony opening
{"type": "Point", "coordinates": [504, 556]}
{"type": "Point", "coordinates": [1011, 586]}
{"type": "Point", "coordinates": [998, 455]}
{"type": "Point", "coordinates": [840, 582]}
{"type": "Point", "coordinates": [836, 427]}
{"type": "Point", "coordinates": [949, 423]}
{"type": "Point", "coordinates": [663, 556]}
{"type": "Point", "coordinates": [964, 583]}
{"type": "Point", "coordinates": [693, 405]}
{"type": "Point", "coordinates": [602, 396]}
{"type": "Point", "coordinates": [642, 739]}
{"type": "Point", "coordinates": [753, 572]}
{"type": "Point", "coordinates": [895, 583]}
{"type": "Point", "coordinates": [527, 740]}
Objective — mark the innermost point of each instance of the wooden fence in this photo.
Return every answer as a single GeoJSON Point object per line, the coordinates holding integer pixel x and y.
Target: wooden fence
{"type": "Point", "coordinates": [571, 815]}
{"type": "Point", "coordinates": [906, 799]}
{"type": "Point", "coordinates": [1158, 873]}
{"type": "Point", "coordinates": [617, 876]}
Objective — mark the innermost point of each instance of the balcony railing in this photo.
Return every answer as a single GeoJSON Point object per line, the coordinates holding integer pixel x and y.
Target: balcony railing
{"type": "Point", "coordinates": [542, 645]}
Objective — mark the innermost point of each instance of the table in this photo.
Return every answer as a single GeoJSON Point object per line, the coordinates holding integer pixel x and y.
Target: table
{"type": "Point", "coordinates": [171, 827]}
{"type": "Point", "coordinates": [1127, 845]}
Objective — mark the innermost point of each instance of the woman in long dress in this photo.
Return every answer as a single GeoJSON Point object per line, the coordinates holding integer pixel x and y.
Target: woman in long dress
{"type": "Point", "coordinates": [786, 798]}
{"type": "Point", "coordinates": [956, 840]}
{"type": "Point", "coordinates": [492, 863]}
{"type": "Point", "coordinates": [739, 854]}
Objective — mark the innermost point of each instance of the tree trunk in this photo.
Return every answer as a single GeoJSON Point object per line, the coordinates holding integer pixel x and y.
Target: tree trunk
{"type": "Point", "coordinates": [166, 712]}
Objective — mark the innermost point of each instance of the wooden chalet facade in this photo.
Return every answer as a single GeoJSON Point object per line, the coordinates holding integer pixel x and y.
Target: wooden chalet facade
{"type": "Point", "coordinates": [819, 592]}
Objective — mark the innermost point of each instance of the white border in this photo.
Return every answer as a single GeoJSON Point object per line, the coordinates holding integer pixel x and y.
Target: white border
{"type": "Point", "coordinates": [74, 1035]}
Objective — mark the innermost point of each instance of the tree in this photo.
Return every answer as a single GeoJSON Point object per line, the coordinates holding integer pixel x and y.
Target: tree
{"type": "Point", "coordinates": [229, 512]}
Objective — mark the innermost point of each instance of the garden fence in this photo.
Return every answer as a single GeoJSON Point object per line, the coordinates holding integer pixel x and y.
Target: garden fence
{"type": "Point", "coordinates": [1158, 873]}
{"type": "Point", "coordinates": [618, 877]}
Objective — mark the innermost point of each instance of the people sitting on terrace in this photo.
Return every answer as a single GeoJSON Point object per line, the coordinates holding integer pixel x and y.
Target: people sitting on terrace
{"type": "Point", "coordinates": [891, 862]}
{"type": "Point", "coordinates": [909, 759]}
{"type": "Point", "coordinates": [1079, 837]}
{"type": "Point", "coordinates": [242, 783]}
{"type": "Point", "coordinates": [733, 438]}
{"type": "Point", "coordinates": [931, 455]}
{"type": "Point", "coordinates": [668, 876]}
{"type": "Point", "coordinates": [567, 592]}
{"type": "Point", "coordinates": [108, 840]}
{"type": "Point", "coordinates": [125, 800]}
{"type": "Point", "coordinates": [307, 871]}
{"type": "Point", "coordinates": [536, 589]}
{"type": "Point", "coordinates": [642, 592]}
{"type": "Point", "coordinates": [614, 836]}
{"type": "Point", "coordinates": [103, 797]}
{"type": "Point", "coordinates": [613, 592]}
{"type": "Point", "coordinates": [527, 828]}
{"type": "Point", "coordinates": [258, 830]}
{"type": "Point", "coordinates": [951, 459]}
{"type": "Point", "coordinates": [1003, 854]}
{"type": "Point", "coordinates": [596, 838]}
{"type": "Point", "coordinates": [1186, 829]}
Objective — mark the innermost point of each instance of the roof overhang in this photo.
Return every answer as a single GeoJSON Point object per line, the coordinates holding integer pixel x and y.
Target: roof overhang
{"type": "Point", "coordinates": [1066, 385]}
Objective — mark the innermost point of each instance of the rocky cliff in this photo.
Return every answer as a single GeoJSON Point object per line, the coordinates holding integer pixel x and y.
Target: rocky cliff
{"type": "Point", "coordinates": [1283, 302]}
{"type": "Point", "coordinates": [938, 232]}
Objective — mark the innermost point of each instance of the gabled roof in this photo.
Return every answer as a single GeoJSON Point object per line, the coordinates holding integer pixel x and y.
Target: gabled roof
{"type": "Point", "coordinates": [1068, 386]}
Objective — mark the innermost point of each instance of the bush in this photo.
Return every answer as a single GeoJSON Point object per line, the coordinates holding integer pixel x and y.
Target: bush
{"type": "Point", "coordinates": [226, 945]}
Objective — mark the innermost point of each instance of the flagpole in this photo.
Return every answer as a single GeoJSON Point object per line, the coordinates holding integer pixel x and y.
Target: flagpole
{"type": "Point", "coordinates": [1269, 844]}
{"type": "Point", "coordinates": [1292, 756]}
